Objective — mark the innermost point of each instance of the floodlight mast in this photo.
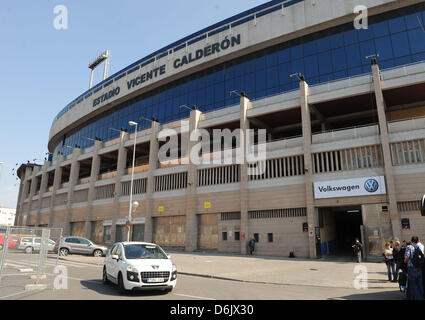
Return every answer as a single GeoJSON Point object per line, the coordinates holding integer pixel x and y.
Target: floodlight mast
{"type": "Point", "coordinates": [92, 65]}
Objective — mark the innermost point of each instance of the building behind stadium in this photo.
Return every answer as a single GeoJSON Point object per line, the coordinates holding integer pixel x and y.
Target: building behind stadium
{"type": "Point", "coordinates": [345, 136]}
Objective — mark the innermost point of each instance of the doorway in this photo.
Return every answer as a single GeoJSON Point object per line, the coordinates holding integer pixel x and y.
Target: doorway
{"type": "Point", "coordinates": [339, 227]}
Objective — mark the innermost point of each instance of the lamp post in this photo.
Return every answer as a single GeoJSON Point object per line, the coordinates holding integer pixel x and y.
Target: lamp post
{"type": "Point", "coordinates": [133, 124]}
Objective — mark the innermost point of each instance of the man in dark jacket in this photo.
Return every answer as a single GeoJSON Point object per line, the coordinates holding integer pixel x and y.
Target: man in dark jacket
{"type": "Point", "coordinates": [358, 250]}
{"type": "Point", "coordinates": [251, 246]}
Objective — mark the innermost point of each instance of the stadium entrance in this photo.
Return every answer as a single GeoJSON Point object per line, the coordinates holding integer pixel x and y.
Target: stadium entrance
{"type": "Point", "coordinates": [339, 227]}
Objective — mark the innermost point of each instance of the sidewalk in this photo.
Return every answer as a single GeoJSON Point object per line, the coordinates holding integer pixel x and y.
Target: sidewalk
{"type": "Point", "coordinates": [271, 270]}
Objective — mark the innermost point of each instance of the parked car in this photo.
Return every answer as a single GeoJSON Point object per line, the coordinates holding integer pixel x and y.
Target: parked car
{"type": "Point", "coordinates": [79, 245]}
{"type": "Point", "coordinates": [13, 240]}
{"type": "Point", "coordinates": [31, 244]}
{"type": "Point", "coordinates": [139, 266]}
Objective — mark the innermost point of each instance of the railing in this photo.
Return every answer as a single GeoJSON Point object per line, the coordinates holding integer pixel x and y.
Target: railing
{"type": "Point", "coordinates": [105, 192]}
{"type": "Point", "coordinates": [347, 159]}
{"type": "Point", "coordinates": [174, 181]}
{"type": "Point", "coordinates": [345, 133]}
{"type": "Point", "coordinates": [278, 168]}
{"type": "Point", "coordinates": [139, 187]}
{"type": "Point", "coordinates": [408, 152]}
{"type": "Point", "coordinates": [219, 175]}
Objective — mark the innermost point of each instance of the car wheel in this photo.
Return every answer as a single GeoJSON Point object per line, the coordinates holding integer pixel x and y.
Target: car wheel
{"type": "Point", "coordinates": [121, 286]}
{"type": "Point", "coordinates": [63, 252]}
{"type": "Point", "coordinates": [97, 253]}
{"type": "Point", "coordinates": [105, 277]}
{"type": "Point", "coordinates": [28, 250]}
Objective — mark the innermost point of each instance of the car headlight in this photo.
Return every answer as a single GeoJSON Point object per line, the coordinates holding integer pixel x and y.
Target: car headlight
{"type": "Point", "coordinates": [132, 274]}
{"type": "Point", "coordinates": [174, 273]}
{"type": "Point", "coordinates": [132, 269]}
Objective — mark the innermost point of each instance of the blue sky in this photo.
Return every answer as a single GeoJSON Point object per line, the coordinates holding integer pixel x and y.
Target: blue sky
{"type": "Point", "coordinates": [43, 69]}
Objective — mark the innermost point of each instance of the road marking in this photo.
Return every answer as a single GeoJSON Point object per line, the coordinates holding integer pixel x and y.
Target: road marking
{"type": "Point", "coordinates": [196, 297]}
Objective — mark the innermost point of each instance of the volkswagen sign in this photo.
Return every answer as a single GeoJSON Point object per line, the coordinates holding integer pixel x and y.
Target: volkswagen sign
{"type": "Point", "coordinates": [371, 185]}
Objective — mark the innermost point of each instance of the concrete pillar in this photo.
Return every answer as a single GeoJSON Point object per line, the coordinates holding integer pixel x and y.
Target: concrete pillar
{"type": "Point", "coordinates": [386, 151]}
{"type": "Point", "coordinates": [192, 181]}
{"type": "Point", "coordinates": [245, 104]}
{"type": "Point", "coordinates": [43, 188]}
{"type": "Point", "coordinates": [121, 163]}
{"type": "Point", "coordinates": [24, 196]}
{"type": "Point", "coordinates": [56, 185]}
{"type": "Point", "coordinates": [32, 205]}
{"type": "Point", "coordinates": [94, 176]}
{"type": "Point", "coordinates": [153, 165]}
{"type": "Point", "coordinates": [306, 129]}
{"type": "Point", "coordinates": [18, 203]}
{"type": "Point", "coordinates": [73, 181]}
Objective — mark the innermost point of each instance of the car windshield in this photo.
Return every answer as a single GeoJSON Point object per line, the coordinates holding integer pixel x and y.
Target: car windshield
{"type": "Point", "coordinates": [142, 251]}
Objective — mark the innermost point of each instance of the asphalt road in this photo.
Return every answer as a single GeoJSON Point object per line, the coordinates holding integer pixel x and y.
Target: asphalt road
{"type": "Point", "coordinates": [84, 283]}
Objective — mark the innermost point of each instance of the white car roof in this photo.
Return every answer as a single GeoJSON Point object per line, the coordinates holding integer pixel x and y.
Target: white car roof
{"type": "Point", "coordinates": [138, 242]}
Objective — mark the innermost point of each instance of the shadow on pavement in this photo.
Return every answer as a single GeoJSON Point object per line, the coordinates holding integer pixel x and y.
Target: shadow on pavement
{"type": "Point", "coordinates": [112, 290]}
{"type": "Point", "coordinates": [384, 295]}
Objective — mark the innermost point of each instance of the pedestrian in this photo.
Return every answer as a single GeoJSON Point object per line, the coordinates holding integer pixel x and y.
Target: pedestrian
{"type": "Point", "coordinates": [251, 246]}
{"type": "Point", "coordinates": [414, 272]}
{"type": "Point", "coordinates": [421, 246]}
{"type": "Point", "coordinates": [389, 260]}
{"type": "Point", "coordinates": [358, 250]}
{"type": "Point", "coordinates": [396, 255]}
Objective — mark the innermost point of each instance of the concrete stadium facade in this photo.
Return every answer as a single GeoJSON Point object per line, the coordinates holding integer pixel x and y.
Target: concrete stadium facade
{"type": "Point", "coordinates": [345, 141]}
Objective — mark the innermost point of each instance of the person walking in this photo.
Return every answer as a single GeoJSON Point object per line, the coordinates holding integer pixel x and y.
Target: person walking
{"type": "Point", "coordinates": [358, 250]}
{"type": "Point", "coordinates": [414, 272]}
{"type": "Point", "coordinates": [251, 246]}
{"type": "Point", "coordinates": [389, 260]}
{"type": "Point", "coordinates": [396, 255]}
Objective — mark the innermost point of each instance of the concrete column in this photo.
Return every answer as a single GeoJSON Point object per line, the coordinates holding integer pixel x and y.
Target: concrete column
{"type": "Point", "coordinates": [386, 152]}
{"type": "Point", "coordinates": [18, 203]}
{"type": "Point", "coordinates": [191, 198]}
{"type": "Point", "coordinates": [94, 176]}
{"type": "Point", "coordinates": [26, 185]}
{"type": "Point", "coordinates": [73, 181]}
{"type": "Point", "coordinates": [306, 128]}
{"type": "Point", "coordinates": [32, 189]}
{"type": "Point", "coordinates": [121, 163]}
{"type": "Point", "coordinates": [153, 165]}
{"type": "Point", "coordinates": [56, 185]}
{"type": "Point", "coordinates": [43, 187]}
{"type": "Point", "coordinates": [245, 104]}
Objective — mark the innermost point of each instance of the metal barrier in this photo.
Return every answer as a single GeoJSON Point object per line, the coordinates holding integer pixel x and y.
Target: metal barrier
{"type": "Point", "coordinates": [26, 254]}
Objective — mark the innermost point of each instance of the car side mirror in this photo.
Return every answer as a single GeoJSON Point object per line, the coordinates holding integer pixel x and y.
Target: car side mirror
{"type": "Point", "coordinates": [115, 257]}
{"type": "Point", "coordinates": [168, 256]}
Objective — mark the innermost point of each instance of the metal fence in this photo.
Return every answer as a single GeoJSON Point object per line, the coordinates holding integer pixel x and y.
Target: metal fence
{"type": "Point", "coordinates": [26, 254]}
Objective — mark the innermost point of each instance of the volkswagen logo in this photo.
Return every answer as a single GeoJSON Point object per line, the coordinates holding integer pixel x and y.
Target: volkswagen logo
{"type": "Point", "coordinates": [155, 267]}
{"type": "Point", "coordinates": [371, 185]}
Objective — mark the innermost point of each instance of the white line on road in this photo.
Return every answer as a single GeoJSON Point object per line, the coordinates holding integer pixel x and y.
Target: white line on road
{"type": "Point", "coordinates": [196, 297]}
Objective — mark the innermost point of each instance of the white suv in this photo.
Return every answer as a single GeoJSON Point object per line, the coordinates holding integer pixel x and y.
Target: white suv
{"type": "Point", "coordinates": [139, 265]}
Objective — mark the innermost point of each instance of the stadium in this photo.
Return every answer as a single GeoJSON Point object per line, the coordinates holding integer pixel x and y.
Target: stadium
{"type": "Point", "coordinates": [343, 109]}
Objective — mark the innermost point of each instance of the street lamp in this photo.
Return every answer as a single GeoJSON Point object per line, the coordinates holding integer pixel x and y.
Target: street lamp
{"type": "Point", "coordinates": [133, 124]}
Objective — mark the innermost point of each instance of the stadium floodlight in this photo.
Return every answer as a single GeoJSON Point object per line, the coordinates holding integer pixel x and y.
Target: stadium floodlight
{"type": "Point", "coordinates": [104, 56]}
{"type": "Point", "coordinates": [299, 75]}
{"type": "Point", "coordinates": [373, 58]}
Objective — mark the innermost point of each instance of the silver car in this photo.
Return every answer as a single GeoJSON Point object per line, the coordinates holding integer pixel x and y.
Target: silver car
{"type": "Point", "coordinates": [30, 244]}
{"type": "Point", "coordinates": [79, 245]}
